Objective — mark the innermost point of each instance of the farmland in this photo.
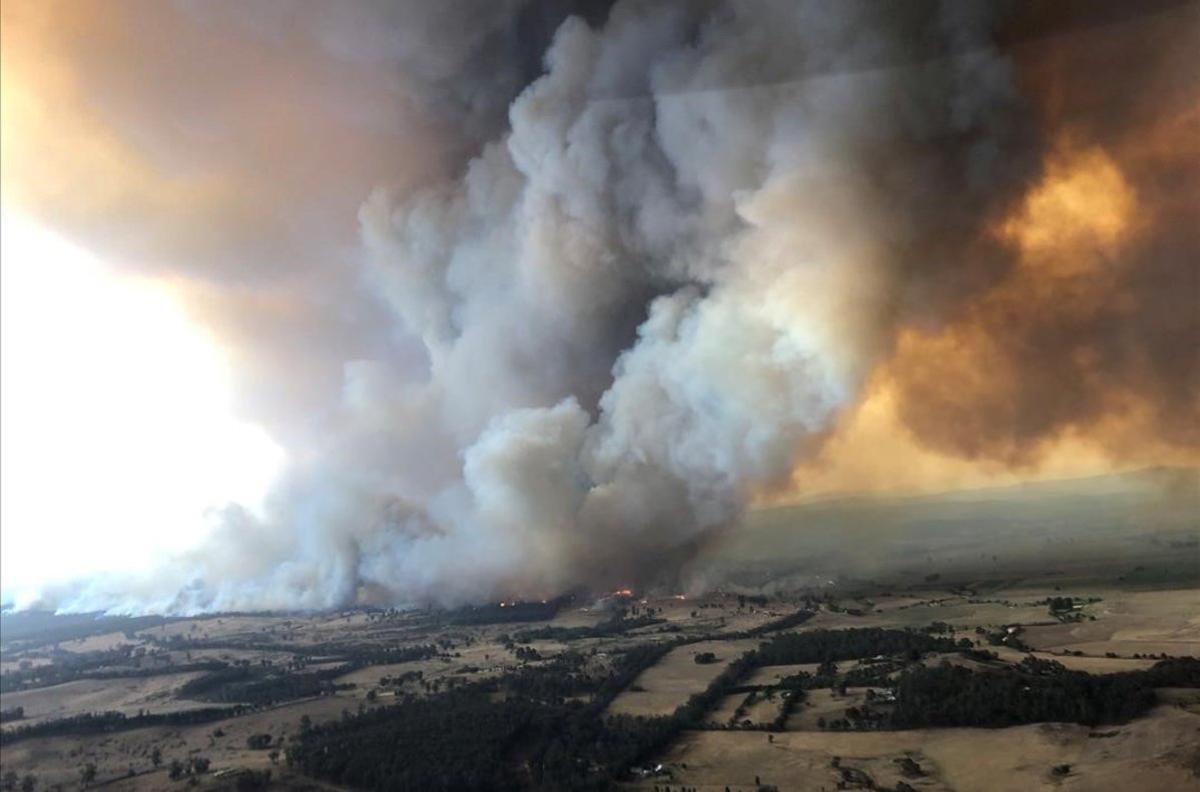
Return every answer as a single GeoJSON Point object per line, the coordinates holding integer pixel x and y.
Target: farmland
{"type": "Point", "coordinates": [723, 694]}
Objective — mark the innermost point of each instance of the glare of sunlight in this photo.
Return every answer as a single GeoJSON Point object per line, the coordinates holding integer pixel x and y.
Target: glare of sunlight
{"type": "Point", "coordinates": [117, 435]}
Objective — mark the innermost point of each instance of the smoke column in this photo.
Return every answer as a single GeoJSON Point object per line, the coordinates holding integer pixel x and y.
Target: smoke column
{"type": "Point", "coordinates": [702, 238]}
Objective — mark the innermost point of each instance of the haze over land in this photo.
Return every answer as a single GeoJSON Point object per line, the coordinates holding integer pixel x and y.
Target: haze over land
{"type": "Point", "coordinates": [534, 297]}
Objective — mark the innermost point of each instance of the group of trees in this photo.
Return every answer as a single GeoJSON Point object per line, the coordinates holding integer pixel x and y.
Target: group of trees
{"type": "Point", "coordinates": [388, 655]}
{"type": "Point", "coordinates": [33, 628]}
{"type": "Point", "coordinates": [819, 646]}
{"type": "Point", "coordinates": [398, 680]}
{"type": "Point", "coordinates": [617, 625]}
{"type": "Point", "coordinates": [261, 685]}
{"type": "Point", "coordinates": [526, 654]}
{"type": "Point", "coordinates": [1060, 604]}
{"type": "Point", "coordinates": [786, 622]}
{"type": "Point", "coordinates": [120, 663]}
{"type": "Point", "coordinates": [468, 739]}
{"type": "Point", "coordinates": [692, 713]}
{"type": "Point", "coordinates": [10, 782]}
{"type": "Point", "coordinates": [791, 693]}
{"type": "Point", "coordinates": [239, 685]}
{"type": "Point", "coordinates": [358, 654]}
{"type": "Point", "coordinates": [1034, 691]}
{"type": "Point", "coordinates": [949, 695]}
{"type": "Point", "coordinates": [503, 613]}
{"type": "Point", "coordinates": [259, 742]}
{"type": "Point", "coordinates": [195, 765]}
{"type": "Point", "coordinates": [564, 676]}
{"type": "Point", "coordinates": [103, 722]}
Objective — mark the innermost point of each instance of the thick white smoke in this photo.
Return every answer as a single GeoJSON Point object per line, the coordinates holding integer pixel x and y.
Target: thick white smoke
{"type": "Point", "coordinates": [637, 305]}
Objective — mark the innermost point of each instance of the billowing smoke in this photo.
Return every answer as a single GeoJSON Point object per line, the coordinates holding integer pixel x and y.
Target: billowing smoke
{"type": "Point", "coordinates": [703, 235]}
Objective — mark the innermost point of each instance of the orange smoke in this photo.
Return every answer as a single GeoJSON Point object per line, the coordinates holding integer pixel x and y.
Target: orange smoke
{"type": "Point", "coordinates": [1022, 382]}
{"type": "Point", "coordinates": [1077, 215]}
{"type": "Point", "coordinates": [962, 385]}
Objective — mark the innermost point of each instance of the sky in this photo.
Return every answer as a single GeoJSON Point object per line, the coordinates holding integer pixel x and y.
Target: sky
{"type": "Point", "coordinates": [311, 304]}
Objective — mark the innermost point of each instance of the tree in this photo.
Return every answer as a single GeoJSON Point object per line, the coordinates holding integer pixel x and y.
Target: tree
{"type": "Point", "coordinates": [156, 756]}
{"type": "Point", "coordinates": [28, 783]}
{"type": "Point", "coordinates": [274, 755]}
{"type": "Point", "coordinates": [176, 771]}
{"type": "Point", "coordinates": [10, 781]}
{"type": "Point", "coordinates": [87, 773]}
{"type": "Point", "coordinates": [258, 742]}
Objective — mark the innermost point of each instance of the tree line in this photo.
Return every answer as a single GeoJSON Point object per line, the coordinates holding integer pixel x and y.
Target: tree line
{"type": "Point", "coordinates": [103, 722]}
{"type": "Point", "coordinates": [949, 695]}
{"type": "Point", "coordinates": [261, 685]}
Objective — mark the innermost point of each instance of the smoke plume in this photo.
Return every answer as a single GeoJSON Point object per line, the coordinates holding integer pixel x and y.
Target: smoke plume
{"type": "Point", "coordinates": [595, 315]}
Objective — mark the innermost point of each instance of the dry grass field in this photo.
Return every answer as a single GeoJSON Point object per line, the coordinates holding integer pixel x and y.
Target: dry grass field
{"type": "Point", "coordinates": [95, 643]}
{"type": "Point", "coordinates": [57, 760]}
{"type": "Point", "coordinates": [826, 705]}
{"type": "Point", "coordinates": [1128, 623]}
{"type": "Point", "coordinates": [662, 688]}
{"type": "Point", "coordinates": [151, 694]}
{"type": "Point", "coordinates": [757, 709]}
{"type": "Point", "coordinates": [1089, 664]}
{"type": "Point", "coordinates": [1155, 753]}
